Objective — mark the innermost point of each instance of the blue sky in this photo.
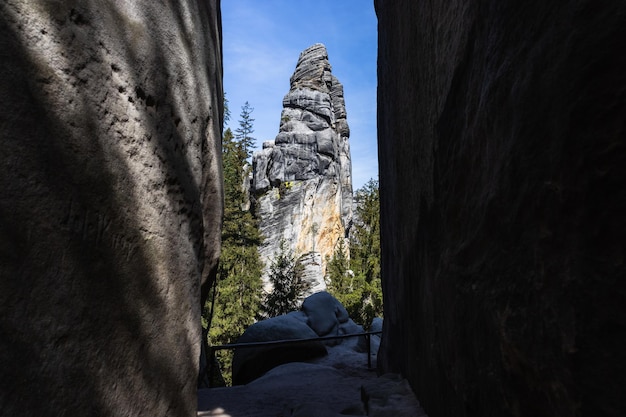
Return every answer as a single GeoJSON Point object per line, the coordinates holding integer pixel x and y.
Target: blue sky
{"type": "Point", "coordinates": [262, 41]}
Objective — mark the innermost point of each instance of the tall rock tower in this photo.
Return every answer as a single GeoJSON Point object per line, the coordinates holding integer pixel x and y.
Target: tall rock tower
{"type": "Point", "coordinates": [302, 181]}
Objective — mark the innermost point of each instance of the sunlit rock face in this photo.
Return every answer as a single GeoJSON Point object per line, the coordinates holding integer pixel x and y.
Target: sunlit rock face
{"type": "Point", "coordinates": [110, 125]}
{"type": "Point", "coordinates": [502, 149]}
{"type": "Point", "coordinates": [302, 180]}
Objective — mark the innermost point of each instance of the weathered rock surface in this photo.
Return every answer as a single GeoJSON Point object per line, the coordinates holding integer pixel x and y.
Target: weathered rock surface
{"type": "Point", "coordinates": [302, 180]}
{"type": "Point", "coordinates": [390, 394]}
{"type": "Point", "coordinates": [339, 384]}
{"type": "Point", "coordinates": [502, 154]}
{"type": "Point", "coordinates": [110, 208]}
{"type": "Point", "coordinates": [328, 317]}
{"type": "Point", "coordinates": [321, 315]}
{"type": "Point", "coordinates": [251, 363]}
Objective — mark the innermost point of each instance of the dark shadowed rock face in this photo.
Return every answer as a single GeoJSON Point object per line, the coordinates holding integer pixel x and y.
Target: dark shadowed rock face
{"type": "Point", "coordinates": [502, 176]}
{"type": "Point", "coordinates": [111, 203]}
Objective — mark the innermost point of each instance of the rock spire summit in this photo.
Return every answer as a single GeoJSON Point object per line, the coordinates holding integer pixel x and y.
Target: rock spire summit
{"type": "Point", "coordinates": [302, 180]}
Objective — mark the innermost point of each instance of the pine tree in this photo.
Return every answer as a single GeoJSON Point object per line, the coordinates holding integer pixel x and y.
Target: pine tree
{"type": "Point", "coordinates": [340, 278]}
{"type": "Point", "coordinates": [365, 239]}
{"type": "Point", "coordinates": [355, 282]}
{"type": "Point", "coordinates": [226, 110]}
{"type": "Point", "coordinates": [245, 129]}
{"type": "Point", "coordinates": [237, 298]}
{"type": "Point", "coordinates": [289, 286]}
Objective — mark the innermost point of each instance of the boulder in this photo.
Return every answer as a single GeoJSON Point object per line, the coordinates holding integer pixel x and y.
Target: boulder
{"type": "Point", "coordinates": [325, 313]}
{"type": "Point", "coordinates": [328, 317]}
{"type": "Point", "coordinates": [251, 363]}
{"type": "Point", "coordinates": [376, 325]}
{"type": "Point", "coordinates": [321, 315]}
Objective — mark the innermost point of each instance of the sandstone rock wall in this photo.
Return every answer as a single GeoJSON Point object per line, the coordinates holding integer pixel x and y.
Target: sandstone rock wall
{"type": "Point", "coordinates": [502, 155]}
{"type": "Point", "coordinates": [110, 125]}
{"type": "Point", "coordinates": [303, 180]}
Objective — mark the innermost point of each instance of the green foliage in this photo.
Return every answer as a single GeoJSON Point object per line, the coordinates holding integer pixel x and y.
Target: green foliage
{"type": "Point", "coordinates": [237, 298]}
{"type": "Point", "coordinates": [245, 129]}
{"type": "Point", "coordinates": [226, 110]}
{"type": "Point", "coordinates": [365, 237]}
{"type": "Point", "coordinates": [289, 286]}
{"type": "Point", "coordinates": [355, 281]}
{"type": "Point", "coordinates": [339, 276]}
{"type": "Point", "coordinates": [283, 188]}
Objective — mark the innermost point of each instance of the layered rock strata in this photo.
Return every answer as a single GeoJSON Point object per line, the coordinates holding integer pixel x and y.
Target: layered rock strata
{"type": "Point", "coordinates": [111, 203]}
{"type": "Point", "coordinates": [302, 181]}
{"type": "Point", "coordinates": [502, 149]}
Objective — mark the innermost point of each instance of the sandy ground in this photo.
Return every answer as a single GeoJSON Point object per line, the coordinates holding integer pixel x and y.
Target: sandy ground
{"type": "Point", "coordinates": [330, 387]}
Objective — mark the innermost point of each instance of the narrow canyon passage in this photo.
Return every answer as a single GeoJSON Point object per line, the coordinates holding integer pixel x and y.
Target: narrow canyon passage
{"type": "Point", "coordinates": [502, 150]}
